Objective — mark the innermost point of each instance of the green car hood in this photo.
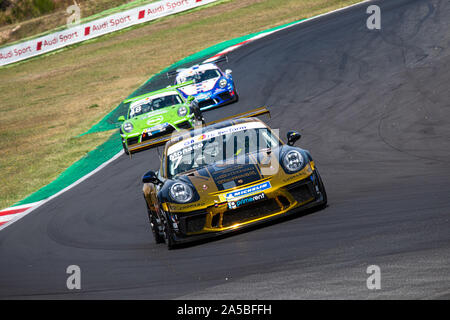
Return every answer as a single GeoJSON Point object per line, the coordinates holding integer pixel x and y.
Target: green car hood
{"type": "Point", "coordinates": [151, 119]}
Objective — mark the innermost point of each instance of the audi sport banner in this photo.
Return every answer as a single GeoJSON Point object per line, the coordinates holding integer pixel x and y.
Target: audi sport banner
{"type": "Point", "coordinates": [95, 28]}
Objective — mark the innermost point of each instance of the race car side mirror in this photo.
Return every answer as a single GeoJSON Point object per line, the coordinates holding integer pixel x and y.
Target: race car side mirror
{"type": "Point", "coordinates": [150, 177]}
{"type": "Point", "coordinates": [292, 137]}
{"type": "Point", "coordinates": [228, 72]}
{"type": "Point", "coordinates": [190, 98]}
{"type": "Point", "coordinates": [121, 119]}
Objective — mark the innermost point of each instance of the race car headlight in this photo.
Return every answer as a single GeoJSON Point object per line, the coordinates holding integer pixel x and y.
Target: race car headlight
{"type": "Point", "coordinates": [128, 127]}
{"type": "Point", "coordinates": [223, 83]}
{"type": "Point", "coordinates": [293, 161]}
{"type": "Point", "coordinates": [181, 192]}
{"type": "Point", "coordinates": [182, 111]}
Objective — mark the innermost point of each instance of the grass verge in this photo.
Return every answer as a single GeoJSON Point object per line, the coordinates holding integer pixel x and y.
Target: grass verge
{"type": "Point", "coordinates": [47, 102]}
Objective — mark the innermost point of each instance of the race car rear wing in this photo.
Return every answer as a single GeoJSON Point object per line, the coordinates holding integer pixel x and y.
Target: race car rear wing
{"type": "Point", "coordinates": [223, 58]}
{"type": "Point", "coordinates": [249, 114]}
{"type": "Point", "coordinates": [174, 73]}
{"type": "Point", "coordinates": [149, 144]}
{"type": "Point", "coordinates": [145, 95]}
{"type": "Point", "coordinates": [163, 139]}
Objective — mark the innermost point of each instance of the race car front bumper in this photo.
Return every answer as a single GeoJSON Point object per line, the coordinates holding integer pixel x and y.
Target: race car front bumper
{"type": "Point", "coordinates": [147, 140]}
{"type": "Point", "coordinates": [218, 99]}
{"type": "Point", "coordinates": [217, 220]}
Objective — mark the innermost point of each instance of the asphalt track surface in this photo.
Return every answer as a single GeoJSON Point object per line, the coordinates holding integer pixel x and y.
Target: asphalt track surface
{"type": "Point", "coordinates": [374, 110]}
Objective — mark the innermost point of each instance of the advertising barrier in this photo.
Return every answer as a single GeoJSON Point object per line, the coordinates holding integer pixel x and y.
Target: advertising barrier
{"type": "Point", "coordinates": [95, 28]}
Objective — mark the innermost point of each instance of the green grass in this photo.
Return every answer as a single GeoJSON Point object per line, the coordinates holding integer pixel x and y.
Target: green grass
{"type": "Point", "coordinates": [48, 101]}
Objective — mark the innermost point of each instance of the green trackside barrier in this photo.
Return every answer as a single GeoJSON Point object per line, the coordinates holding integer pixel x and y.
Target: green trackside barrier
{"type": "Point", "coordinates": [113, 145]}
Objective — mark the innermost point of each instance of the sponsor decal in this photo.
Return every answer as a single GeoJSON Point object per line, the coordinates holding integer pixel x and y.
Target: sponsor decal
{"type": "Point", "coordinates": [203, 96]}
{"type": "Point", "coordinates": [155, 11]}
{"type": "Point", "coordinates": [172, 5]}
{"type": "Point", "coordinates": [300, 175]}
{"type": "Point", "coordinates": [178, 154]}
{"type": "Point", "coordinates": [153, 113]}
{"type": "Point", "coordinates": [66, 37]}
{"type": "Point", "coordinates": [15, 53]}
{"type": "Point", "coordinates": [154, 120]}
{"type": "Point", "coordinates": [19, 52]}
{"type": "Point", "coordinates": [53, 42]}
{"type": "Point", "coordinates": [76, 32]}
{"type": "Point", "coordinates": [6, 55]}
{"type": "Point", "coordinates": [244, 201]}
{"type": "Point", "coordinates": [118, 21]}
{"type": "Point", "coordinates": [156, 129]}
{"type": "Point", "coordinates": [184, 207]}
{"type": "Point", "coordinates": [212, 134]}
{"type": "Point", "coordinates": [247, 191]}
{"type": "Point", "coordinates": [234, 174]}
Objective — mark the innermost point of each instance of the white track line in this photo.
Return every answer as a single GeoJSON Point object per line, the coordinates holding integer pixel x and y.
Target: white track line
{"type": "Point", "coordinates": [19, 216]}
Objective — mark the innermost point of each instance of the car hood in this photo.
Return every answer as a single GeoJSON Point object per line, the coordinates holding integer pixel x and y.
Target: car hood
{"type": "Point", "coordinates": [154, 118]}
{"type": "Point", "coordinates": [219, 177]}
{"type": "Point", "coordinates": [197, 88]}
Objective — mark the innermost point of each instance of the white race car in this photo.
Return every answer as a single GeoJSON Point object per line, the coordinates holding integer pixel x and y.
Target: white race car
{"type": "Point", "coordinates": [212, 87]}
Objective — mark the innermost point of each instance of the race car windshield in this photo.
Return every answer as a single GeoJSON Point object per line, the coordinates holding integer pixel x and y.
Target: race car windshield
{"type": "Point", "coordinates": [154, 104]}
{"type": "Point", "coordinates": [201, 76]}
{"type": "Point", "coordinates": [233, 146]}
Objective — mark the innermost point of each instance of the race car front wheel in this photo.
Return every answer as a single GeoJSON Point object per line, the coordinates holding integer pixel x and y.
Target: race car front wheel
{"type": "Point", "coordinates": [125, 149]}
{"type": "Point", "coordinates": [197, 113]}
{"type": "Point", "coordinates": [168, 233]}
{"type": "Point", "coordinates": [155, 226]}
{"type": "Point", "coordinates": [321, 188]}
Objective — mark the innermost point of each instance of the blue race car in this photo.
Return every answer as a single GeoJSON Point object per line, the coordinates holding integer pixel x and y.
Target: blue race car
{"type": "Point", "coordinates": [212, 87]}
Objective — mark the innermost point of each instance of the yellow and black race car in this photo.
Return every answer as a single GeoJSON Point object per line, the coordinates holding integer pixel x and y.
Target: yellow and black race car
{"type": "Point", "coordinates": [226, 176]}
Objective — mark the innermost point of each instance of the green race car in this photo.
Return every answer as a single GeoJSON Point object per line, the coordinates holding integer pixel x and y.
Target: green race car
{"type": "Point", "coordinates": [154, 116]}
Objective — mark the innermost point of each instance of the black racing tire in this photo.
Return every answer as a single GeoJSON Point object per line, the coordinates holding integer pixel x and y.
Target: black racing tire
{"type": "Point", "coordinates": [198, 115]}
{"type": "Point", "coordinates": [322, 189]}
{"type": "Point", "coordinates": [195, 109]}
{"type": "Point", "coordinates": [154, 227]}
{"type": "Point", "coordinates": [236, 95]}
{"type": "Point", "coordinates": [168, 234]}
{"type": "Point", "coordinates": [125, 149]}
